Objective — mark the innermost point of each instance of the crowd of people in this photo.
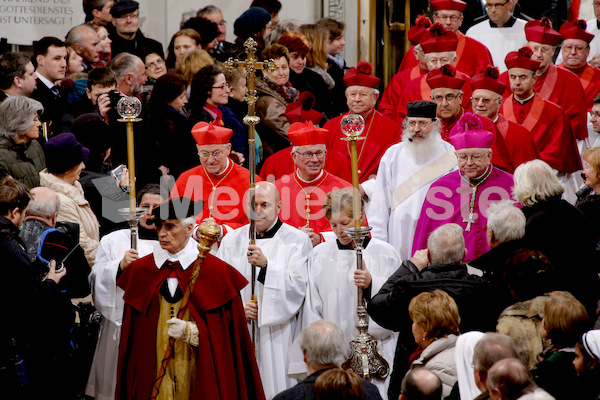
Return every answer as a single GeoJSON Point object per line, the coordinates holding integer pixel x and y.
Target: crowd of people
{"type": "Point", "coordinates": [478, 175]}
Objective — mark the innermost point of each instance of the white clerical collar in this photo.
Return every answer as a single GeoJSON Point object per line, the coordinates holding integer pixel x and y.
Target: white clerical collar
{"type": "Point", "coordinates": [46, 81]}
{"type": "Point", "coordinates": [305, 181]}
{"type": "Point", "coordinates": [523, 101]}
{"type": "Point", "coordinates": [496, 119]}
{"type": "Point", "coordinates": [185, 257]}
{"type": "Point", "coordinates": [226, 167]}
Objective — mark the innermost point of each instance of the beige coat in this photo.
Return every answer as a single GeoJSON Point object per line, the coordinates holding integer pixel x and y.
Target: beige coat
{"type": "Point", "coordinates": [438, 358]}
{"type": "Point", "coordinates": [523, 323]}
{"type": "Point", "coordinates": [75, 208]}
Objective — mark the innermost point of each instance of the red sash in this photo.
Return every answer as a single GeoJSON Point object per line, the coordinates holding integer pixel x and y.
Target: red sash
{"type": "Point", "coordinates": [415, 72]}
{"type": "Point", "coordinates": [532, 118]}
{"type": "Point", "coordinates": [549, 83]}
{"type": "Point", "coordinates": [425, 89]}
{"type": "Point", "coordinates": [462, 41]}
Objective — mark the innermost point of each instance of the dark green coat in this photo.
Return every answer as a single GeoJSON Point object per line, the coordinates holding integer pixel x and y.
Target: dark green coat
{"type": "Point", "coordinates": [24, 161]}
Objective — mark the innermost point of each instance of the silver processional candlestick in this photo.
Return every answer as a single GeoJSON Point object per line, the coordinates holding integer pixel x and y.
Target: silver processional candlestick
{"type": "Point", "coordinates": [364, 358]}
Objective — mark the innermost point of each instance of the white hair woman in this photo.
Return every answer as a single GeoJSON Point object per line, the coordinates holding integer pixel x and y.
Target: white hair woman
{"type": "Point", "coordinates": [20, 153]}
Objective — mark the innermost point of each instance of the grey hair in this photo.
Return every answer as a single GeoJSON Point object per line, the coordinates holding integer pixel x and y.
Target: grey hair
{"type": "Point", "coordinates": [452, 54]}
{"type": "Point", "coordinates": [76, 35]}
{"type": "Point", "coordinates": [511, 377]}
{"type": "Point", "coordinates": [45, 208]}
{"type": "Point", "coordinates": [490, 349]}
{"type": "Point", "coordinates": [506, 221]}
{"type": "Point", "coordinates": [15, 115]}
{"type": "Point", "coordinates": [374, 91]}
{"type": "Point", "coordinates": [535, 181]}
{"type": "Point", "coordinates": [209, 9]}
{"type": "Point", "coordinates": [285, 26]}
{"type": "Point", "coordinates": [188, 221]}
{"type": "Point", "coordinates": [123, 64]}
{"type": "Point", "coordinates": [323, 343]}
{"type": "Point", "coordinates": [446, 245]}
{"type": "Point", "coordinates": [295, 148]}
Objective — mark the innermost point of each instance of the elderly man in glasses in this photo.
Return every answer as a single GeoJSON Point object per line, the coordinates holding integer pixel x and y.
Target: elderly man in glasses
{"type": "Point", "coordinates": [303, 192]}
{"type": "Point", "coordinates": [500, 31]}
{"type": "Point", "coordinates": [462, 197]}
{"type": "Point", "coordinates": [472, 56]}
{"type": "Point", "coordinates": [406, 172]}
{"type": "Point", "coordinates": [218, 181]}
{"type": "Point", "coordinates": [380, 131]}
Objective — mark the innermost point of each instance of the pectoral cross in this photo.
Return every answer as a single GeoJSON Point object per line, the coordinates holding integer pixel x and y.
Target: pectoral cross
{"type": "Point", "coordinates": [469, 221]}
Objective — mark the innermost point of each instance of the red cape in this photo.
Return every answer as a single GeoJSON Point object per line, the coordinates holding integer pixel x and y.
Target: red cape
{"type": "Point", "coordinates": [380, 134]}
{"type": "Point", "coordinates": [550, 130]}
{"type": "Point", "coordinates": [293, 200]}
{"type": "Point", "coordinates": [229, 199]}
{"type": "Point", "coordinates": [226, 367]}
{"type": "Point", "coordinates": [564, 89]}
{"type": "Point", "coordinates": [473, 56]}
{"type": "Point", "coordinates": [279, 164]}
{"type": "Point", "coordinates": [589, 77]}
{"type": "Point", "coordinates": [519, 141]}
{"type": "Point", "coordinates": [388, 104]}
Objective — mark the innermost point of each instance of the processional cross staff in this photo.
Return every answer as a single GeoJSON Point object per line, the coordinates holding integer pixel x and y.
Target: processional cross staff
{"type": "Point", "coordinates": [364, 359]}
{"type": "Point", "coordinates": [251, 65]}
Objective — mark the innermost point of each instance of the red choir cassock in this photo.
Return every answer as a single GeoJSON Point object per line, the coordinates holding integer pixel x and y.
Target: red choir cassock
{"type": "Point", "coordinates": [279, 164]}
{"type": "Point", "coordinates": [380, 133]}
{"type": "Point", "coordinates": [223, 193]}
{"type": "Point", "coordinates": [518, 141]}
{"type": "Point", "coordinates": [588, 75]}
{"type": "Point", "coordinates": [225, 363]}
{"type": "Point", "coordinates": [302, 200]}
{"type": "Point", "coordinates": [453, 198]}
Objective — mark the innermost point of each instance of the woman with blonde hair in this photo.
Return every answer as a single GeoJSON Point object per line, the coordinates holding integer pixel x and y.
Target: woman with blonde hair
{"type": "Point", "coordinates": [588, 197]}
{"type": "Point", "coordinates": [333, 278]}
{"type": "Point", "coordinates": [435, 328]}
{"type": "Point", "coordinates": [193, 62]}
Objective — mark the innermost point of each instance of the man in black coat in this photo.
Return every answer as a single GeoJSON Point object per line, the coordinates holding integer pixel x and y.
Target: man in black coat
{"type": "Point", "coordinates": [31, 349]}
{"type": "Point", "coordinates": [437, 267]}
{"type": "Point", "coordinates": [324, 347]}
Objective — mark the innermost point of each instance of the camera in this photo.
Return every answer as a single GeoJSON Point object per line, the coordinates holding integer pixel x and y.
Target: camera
{"type": "Point", "coordinates": [114, 96]}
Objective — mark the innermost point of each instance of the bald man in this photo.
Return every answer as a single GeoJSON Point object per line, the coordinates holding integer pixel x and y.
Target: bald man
{"type": "Point", "coordinates": [509, 379]}
{"type": "Point", "coordinates": [279, 258]}
{"type": "Point", "coordinates": [421, 384]}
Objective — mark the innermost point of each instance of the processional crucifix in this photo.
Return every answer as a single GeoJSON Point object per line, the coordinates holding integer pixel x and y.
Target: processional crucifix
{"type": "Point", "coordinates": [251, 65]}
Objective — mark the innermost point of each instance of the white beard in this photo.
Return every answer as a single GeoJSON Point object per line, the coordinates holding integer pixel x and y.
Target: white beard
{"type": "Point", "coordinates": [421, 150]}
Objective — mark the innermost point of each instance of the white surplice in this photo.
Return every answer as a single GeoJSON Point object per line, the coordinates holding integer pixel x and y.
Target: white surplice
{"type": "Point", "coordinates": [332, 295]}
{"type": "Point", "coordinates": [397, 226]}
{"type": "Point", "coordinates": [279, 298]}
{"type": "Point", "coordinates": [108, 300]}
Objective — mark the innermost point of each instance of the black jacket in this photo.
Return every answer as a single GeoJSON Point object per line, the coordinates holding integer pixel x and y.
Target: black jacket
{"type": "Point", "coordinates": [140, 45]}
{"type": "Point", "coordinates": [54, 106]}
{"type": "Point", "coordinates": [304, 389]}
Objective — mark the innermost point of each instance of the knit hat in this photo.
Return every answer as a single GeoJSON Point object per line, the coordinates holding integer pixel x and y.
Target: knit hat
{"type": "Point", "coordinates": [123, 7]}
{"type": "Point", "coordinates": [251, 22]}
{"type": "Point", "coordinates": [176, 208]}
{"type": "Point", "coordinates": [306, 134]}
{"type": "Point", "coordinates": [64, 152]}
{"type": "Point", "coordinates": [415, 32]}
{"type": "Point", "coordinates": [542, 32]}
{"type": "Point", "coordinates": [421, 109]}
{"type": "Point", "coordinates": [301, 109]}
{"type": "Point", "coordinates": [456, 5]}
{"type": "Point", "coordinates": [576, 30]}
{"type": "Point", "coordinates": [444, 77]}
{"type": "Point", "coordinates": [488, 79]}
{"type": "Point", "coordinates": [361, 76]}
{"type": "Point", "coordinates": [521, 59]}
{"type": "Point", "coordinates": [209, 133]}
{"type": "Point", "coordinates": [468, 133]}
{"type": "Point", "coordinates": [437, 39]}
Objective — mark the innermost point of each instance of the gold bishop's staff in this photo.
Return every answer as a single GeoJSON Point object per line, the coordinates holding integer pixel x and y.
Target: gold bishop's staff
{"type": "Point", "coordinates": [364, 359]}
{"type": "Point", "coordinates": [251, 65]}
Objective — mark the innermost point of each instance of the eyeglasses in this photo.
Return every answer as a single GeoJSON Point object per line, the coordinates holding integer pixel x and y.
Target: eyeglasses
{"type": "Point", "coordinates": [482, 99]}
{"type": "Point", "coordinates": [153, 65]}
{"type": "Point", "coordinates": [433, 60]}
{"type": "Point", "coordinates": [452, 18]}
{"type": "Point", "coordinates": [309, 154]}
{"type": "Point", "coordinates": [462, 157]}
{"type": "Point", "coordinates": [569, 48]}
{"type": "Point", "coordinates": [222, 23]}
{"type": "Point", "coordinates": [361, 95]}
{"type": "Point", "coordinates": [450, 97]}
{"type": "Point", "coordinates": [222, 87]}
{"type": "Point", "coordinates": [420, 124]}
{"type": "Point", "coordinates": [207, 154]}
{"type": "Point", "coordinates": [542, 49]}
{"type": "Point", "coordinates": [497, 5]}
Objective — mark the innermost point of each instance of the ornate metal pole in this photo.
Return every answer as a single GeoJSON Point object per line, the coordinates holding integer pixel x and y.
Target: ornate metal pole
{"type": "Point", "coordinates": [251, 65]}
{"type": "Point", "coordinates": [129, 108]}
{"type": "Point", "coordinates": [364, 359]}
